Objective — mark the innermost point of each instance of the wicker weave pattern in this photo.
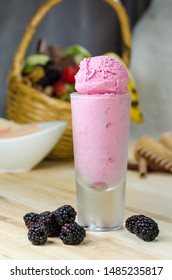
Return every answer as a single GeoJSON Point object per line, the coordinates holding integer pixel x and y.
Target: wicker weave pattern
{"type": "Point", "coordinates": [27, 105]}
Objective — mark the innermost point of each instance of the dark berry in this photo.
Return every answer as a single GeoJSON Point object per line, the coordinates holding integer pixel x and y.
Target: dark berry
{"type": "Point", "coordinates": [65, 214]}
{"type": "Point", "coordinates": [44, 82]}
{"type": "Point", "coordinates": [72, 234]}
{"type": "Point", "coordinates": [53, 75]}
{"type": "Point", "coordinates": [30, 218]}
{"type": "Point", "coordinates": [52, 71]}
{"type": "Point", "coordinates": [146, 229]}
{"type": "Point", "coordinates": [50, 65]}
{"type": "Point", "coordinates": [48, 218]}
{"type": "Point", "coordinates": [130, 222]}
{"type": "Point", "coordinates": [38, 234]}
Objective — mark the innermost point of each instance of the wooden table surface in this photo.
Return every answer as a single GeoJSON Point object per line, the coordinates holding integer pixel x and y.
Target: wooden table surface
{"type": "Point", "coordinates": [52, 184]}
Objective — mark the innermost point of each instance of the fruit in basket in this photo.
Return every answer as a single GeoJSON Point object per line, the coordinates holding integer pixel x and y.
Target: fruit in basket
{"type": "Point", "coordinates": [68, 74]}
{"type": "Point", "coordinates": [62, 90]}
{"type": "Point", "coordinates": [77, 52]}
{"type": "Point", "coordinates": [52, 71]}
{"type": "Point", "coordinates": [36, 74]}
{"type": "Point", "coordinates": [36, 59]}
{"type": "Point", "coordinates": [27, 69]}
{"type": "Point", "coordinates": [54, 76]}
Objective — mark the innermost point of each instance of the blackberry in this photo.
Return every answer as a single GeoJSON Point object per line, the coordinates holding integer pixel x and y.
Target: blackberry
{"type": "Point", "coordinates": [130, 222]}
{"type": "Point", "coordinates": [72, 234]}
{"type": "Point", "coordinates": [48, 219]}
{"type": "Point", "coordinates": [38, 234]}
{"type": "Point", "coordinates": [146, 229]}
{"type": "Point", "coordinates": [65, 214]}
{"type": "Point", "coordinates": [30, 218]}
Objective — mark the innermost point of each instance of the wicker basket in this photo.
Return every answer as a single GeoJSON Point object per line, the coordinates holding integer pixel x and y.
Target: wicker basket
{"type": "Point", "coordinates": [26, 105]}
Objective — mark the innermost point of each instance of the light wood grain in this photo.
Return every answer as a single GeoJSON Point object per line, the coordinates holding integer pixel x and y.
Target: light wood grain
{"type": "Point", "coordinates": [52, 184]}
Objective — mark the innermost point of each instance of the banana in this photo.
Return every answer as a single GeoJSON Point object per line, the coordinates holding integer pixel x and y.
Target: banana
{"type": "Point", "coordinates": [135, 112]}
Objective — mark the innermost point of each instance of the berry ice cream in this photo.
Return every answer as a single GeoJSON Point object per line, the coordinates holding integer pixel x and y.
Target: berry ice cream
{"type": "Point", "coordinates": [101, 74]}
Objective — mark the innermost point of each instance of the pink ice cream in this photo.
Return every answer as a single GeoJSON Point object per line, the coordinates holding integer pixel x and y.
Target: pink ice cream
{"type": "Point", "coordinates": [100, 117]}
{"type": "Point", "coordinates": [101, 74]}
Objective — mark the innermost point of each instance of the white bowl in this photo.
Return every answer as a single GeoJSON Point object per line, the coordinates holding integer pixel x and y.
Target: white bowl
{"type": "Point", "coordinates": [22, 153]}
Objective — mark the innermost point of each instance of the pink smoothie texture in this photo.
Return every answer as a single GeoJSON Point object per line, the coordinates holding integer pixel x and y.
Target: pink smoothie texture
{"type": "Point", "coordinates": [101, 74]}
{"type": "Point", "coordinates": [100, 133]}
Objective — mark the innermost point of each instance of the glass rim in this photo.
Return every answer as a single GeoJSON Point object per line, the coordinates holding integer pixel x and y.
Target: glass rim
{"type": "Point", "coordinates": [100, 95]}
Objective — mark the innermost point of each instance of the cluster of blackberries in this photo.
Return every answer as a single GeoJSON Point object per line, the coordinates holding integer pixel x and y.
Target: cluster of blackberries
{"type": "Point", "coordinates": [59, 223]}
{"type": "Point", "coordinates": [143, 227]}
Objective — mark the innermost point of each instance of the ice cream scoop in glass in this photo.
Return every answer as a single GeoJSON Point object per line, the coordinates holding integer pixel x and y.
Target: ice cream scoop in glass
{"type": "Point", "coordinates": [100, 121]}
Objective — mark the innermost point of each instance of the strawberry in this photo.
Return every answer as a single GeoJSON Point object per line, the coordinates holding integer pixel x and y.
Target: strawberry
{"type": "Point", "coordinates": [62, 90]}
{"type": "Point", "coordinates": [59, 88]}
{"type": "Point", "coordinates": [68, 74]}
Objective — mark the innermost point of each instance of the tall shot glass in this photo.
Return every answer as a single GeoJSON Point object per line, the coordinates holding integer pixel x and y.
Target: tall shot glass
{"type": "Point", "coordinates": [100, 134]}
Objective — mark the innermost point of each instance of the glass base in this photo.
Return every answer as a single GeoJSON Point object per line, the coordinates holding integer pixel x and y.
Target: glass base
{"type": "Point", "coordinates": [103, 229]}
{"type": "Point", "coordinates": [100, 210]}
